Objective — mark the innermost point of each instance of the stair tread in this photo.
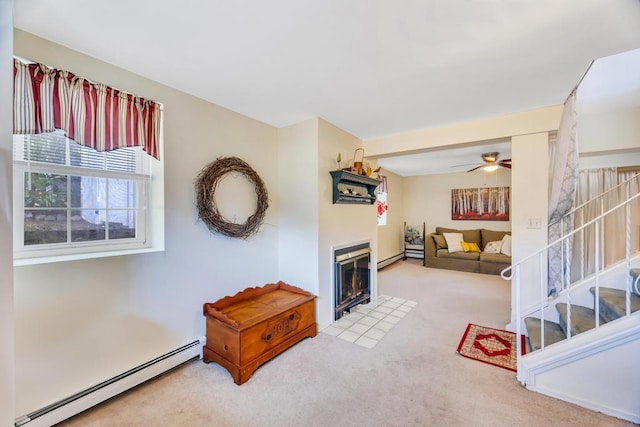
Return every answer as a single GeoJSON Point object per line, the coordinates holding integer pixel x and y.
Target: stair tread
{"type": "Point", "coordinates": [616, 301]}
{"type": "Point", "coordinates": [582, 318]}
{"type": "Point", "coordinates": [553, 333]}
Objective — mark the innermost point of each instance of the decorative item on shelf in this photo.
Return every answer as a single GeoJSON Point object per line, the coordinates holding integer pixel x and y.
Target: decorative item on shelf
{"type": "Point", "coordinates": [357, 164]}
{"type": "Point", "coordinates": [339, 161]}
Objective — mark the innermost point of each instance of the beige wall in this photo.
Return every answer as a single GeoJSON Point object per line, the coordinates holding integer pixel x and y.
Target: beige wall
{"type": "Point", "coordinates": [7, 390]}
{"type": "Point", "coordinates": [608, 137]}
{"type": "Point", "coordinates": [311, 226]}
{"type": "Point", "coordinates": [340, 224]}
{"type": "Point", "coordinates": [390, 240]}
{"type": "Point", "coordinates": [78, 323]}
{"type": "Point", "coordinates": [427, 198]}
{"type": "Point", "coordinates": [608, 130]}
{"type": "Point", "coordinates": [529, 199]}
{"type": "Point", "coordinates": [298, 217]}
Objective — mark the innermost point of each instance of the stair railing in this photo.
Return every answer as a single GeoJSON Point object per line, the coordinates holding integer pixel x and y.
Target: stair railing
{"type": "Point", "coordinates": [579, 212]}
{"type": "Point", "coordinates": [541, 256]}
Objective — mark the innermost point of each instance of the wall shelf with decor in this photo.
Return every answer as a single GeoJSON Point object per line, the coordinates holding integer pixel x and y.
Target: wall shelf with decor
{"type": "Point", "coordinates": [352, 188]}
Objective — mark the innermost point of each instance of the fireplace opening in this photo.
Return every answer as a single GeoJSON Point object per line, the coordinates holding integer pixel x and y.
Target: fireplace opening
{"type": "Point", "coordinates": [352, 278]}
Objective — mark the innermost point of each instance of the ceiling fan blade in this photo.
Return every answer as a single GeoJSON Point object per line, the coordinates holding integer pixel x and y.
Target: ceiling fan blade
{"type": "Point", "coordinates": [466, 164]}
{"type": "Point", "coordinates": [478, 167]}
{"type": "Point", "coordinates": [505, 165]}
{"type": "Point", "coordinates": [506, 160]}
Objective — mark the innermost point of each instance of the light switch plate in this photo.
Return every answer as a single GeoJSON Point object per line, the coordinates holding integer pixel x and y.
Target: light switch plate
{"type": "Point", "coordinates": [534, 223]}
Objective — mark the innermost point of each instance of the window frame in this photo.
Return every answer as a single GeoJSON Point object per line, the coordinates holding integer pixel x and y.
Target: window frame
{"type": "Point", "coordinates": [27, 254]}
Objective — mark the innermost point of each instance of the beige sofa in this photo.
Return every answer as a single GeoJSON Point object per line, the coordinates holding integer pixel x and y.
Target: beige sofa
{"type": "Point", "coordinates": [437, 254]}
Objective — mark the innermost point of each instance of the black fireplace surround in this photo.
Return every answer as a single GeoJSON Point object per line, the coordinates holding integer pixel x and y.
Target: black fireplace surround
{"type": "Point", "coordinates": [352, 278]}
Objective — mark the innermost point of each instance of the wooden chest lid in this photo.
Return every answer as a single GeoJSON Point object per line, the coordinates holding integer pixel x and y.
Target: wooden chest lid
{"type": "Point", "coordinates": [253, 305]}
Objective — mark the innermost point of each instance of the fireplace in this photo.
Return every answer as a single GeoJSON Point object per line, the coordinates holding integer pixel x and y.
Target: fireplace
{"type": "Point", "coordinates": [352, 280]}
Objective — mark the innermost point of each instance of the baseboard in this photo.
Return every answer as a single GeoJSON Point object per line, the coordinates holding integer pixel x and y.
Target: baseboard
{"type": "Point", "coordinates": [73, 405]}
{"type": "Point", "coordinates": [627, 416]}
{"type": "Point", "coordinates": [388, 261]}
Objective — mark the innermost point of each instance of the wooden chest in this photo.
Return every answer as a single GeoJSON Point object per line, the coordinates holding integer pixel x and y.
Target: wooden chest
{"type": "Point", "coordinates": [250, 328]}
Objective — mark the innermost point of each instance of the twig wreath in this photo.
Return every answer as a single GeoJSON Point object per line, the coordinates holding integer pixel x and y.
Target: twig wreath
{"type": "Point", "coordinates": [205, 186]}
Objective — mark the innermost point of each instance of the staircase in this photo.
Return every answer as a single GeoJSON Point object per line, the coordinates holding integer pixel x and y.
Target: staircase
{"type": "Point", "coordinates": [582, 343]}
{"type": "Point", "coordinates": [612, 307]}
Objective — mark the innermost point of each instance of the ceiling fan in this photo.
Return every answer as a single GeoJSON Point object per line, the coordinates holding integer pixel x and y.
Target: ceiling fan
{"type": "Point", "coordinates": [491, 162]}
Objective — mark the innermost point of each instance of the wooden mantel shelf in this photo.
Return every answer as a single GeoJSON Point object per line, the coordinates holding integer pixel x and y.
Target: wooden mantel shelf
{"type": "Point", "coordinates": [352, 188]}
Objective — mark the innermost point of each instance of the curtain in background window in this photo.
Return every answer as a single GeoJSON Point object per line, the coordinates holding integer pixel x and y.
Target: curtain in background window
{"type": "Point", "coordinates": [381, 202]}
{"type": "Point", "coordinates": [592, 183]}
{"type": "Point", "coordinates": [562, 185]}
{"type": "Point", "coordinates": [92, 114]}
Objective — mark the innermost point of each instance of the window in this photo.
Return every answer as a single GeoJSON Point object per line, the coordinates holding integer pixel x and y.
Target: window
{"type": "Point", "coordinates": [90, 195]}
{"type": "Point", "coordinates": [69, 198]}
{"type": "Point", "coordinates": [381, 202]}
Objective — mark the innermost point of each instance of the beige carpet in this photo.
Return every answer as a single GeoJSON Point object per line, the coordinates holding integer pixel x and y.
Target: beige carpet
{"type": "Point", "coordinates": [412, 377]}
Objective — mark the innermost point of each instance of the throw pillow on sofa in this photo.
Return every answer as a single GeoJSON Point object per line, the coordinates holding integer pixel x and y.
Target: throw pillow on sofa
{"type": "Point", "coordinates": [506, 245]}
{"type": "Point", "coordinates": [492, 235]}
{"type": "Point", "coordinates": [454, 242]}
{"type": "Point", "coordinates": [441, 243]}
{"type": "Point", "coordinates": [470, 247]}
{"type": "Point", "coordinates": [493, 247]}
{"type": "Point", "coordinates": [472, 235]}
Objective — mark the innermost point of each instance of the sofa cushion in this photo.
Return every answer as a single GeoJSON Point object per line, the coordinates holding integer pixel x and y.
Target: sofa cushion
{"type": "Point", "coordinates": [454, 242]}
{"type": "Point", "coordinates": [469, 256]}
{"type": "Point", "coordinates": [441, 243]}
{"type": "Point", "coordinates": [495, 258]}
{"type": "Point", "coordinates": [491, 236]}
{"type": "Point", "coordinates": [467, 235]}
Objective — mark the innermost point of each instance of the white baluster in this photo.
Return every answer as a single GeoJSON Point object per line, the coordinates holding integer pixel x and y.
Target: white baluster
{"type": "Point", "coordinates": [569, 314]}
{"type": "Point", "coordinates": [582, 245]}
{"type": "Point", "coordinates": [597, 295]}
{"type": "Point", "coordinates": [562, 257]}
{"type": "Point", "coordinates": [519, 373]}
{"type": "Point", "coordinates": [543, 296]}
{"type": "Point", "coordinates": [601, 235]}
{"type": "Point", "coordinates": [628, 254]}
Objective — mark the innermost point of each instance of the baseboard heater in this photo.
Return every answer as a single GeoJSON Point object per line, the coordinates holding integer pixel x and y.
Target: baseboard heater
{"type": "Point", "coordinates": [388, 261]}
{"type": "Point", "coordinates": [73, 405]}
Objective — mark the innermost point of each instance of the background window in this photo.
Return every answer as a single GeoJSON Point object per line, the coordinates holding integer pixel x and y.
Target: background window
{"type": "Point", "coordinates": [381, 201]}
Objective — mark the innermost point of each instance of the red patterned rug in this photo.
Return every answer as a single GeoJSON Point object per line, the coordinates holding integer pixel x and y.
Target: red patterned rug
{"type": "Point", "coordinates": [489, 345]}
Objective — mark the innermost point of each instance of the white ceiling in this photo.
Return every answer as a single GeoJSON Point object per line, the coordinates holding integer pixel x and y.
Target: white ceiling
{"type": "Point", "coordinates": [370, 67]}
{"type": "Point", "coordinates": [459, 159]}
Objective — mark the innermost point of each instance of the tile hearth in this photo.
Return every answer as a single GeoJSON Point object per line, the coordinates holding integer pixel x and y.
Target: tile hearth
{"type": "Point", "coordinates": [368, 323]}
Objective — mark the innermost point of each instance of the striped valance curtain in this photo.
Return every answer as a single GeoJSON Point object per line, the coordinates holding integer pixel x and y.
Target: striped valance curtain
{"type": "Point", "coordinates": [92, 114]}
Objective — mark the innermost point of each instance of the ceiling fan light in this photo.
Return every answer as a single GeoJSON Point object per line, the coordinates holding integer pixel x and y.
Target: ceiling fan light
{"type": "Point", "coordinates": [490, 168]}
